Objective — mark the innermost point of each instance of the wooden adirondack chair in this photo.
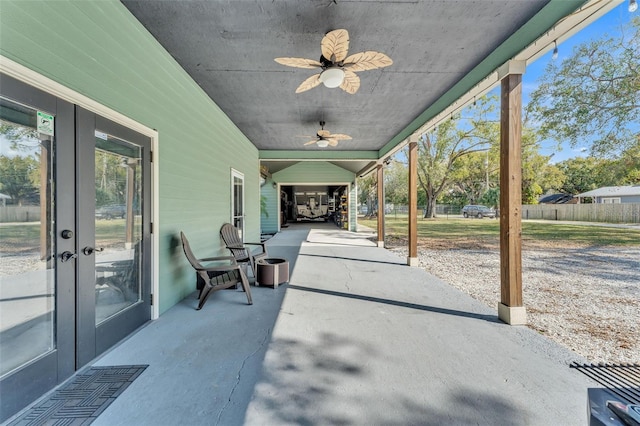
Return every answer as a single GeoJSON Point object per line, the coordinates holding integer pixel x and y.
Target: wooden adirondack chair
{"type": "Point", "coordinates": [239, 250]}
{"type": "Point", "coordinates": [225, 274]}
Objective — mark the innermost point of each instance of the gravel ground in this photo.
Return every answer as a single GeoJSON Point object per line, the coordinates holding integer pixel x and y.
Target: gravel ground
{"type": "Point", "coordinates": [587, 299]}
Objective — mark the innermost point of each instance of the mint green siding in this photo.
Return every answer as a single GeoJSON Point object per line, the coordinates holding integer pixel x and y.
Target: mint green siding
{"type": "Point", "coordinates": [101, 51]}
{"type": "Point", "coordinates": [269, 221]}
{"type": "Point", "coordinates": [314, 172]}
{"type": "Point", "coordinates": [320, 173]}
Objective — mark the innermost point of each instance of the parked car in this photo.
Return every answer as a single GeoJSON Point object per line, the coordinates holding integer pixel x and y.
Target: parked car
{"type": "Point", "coordinates": [478, 211]}
{"type": "Point", "coordinates": [111, 211]}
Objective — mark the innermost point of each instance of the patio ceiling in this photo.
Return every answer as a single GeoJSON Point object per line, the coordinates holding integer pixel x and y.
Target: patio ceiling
{"type": "Point", "coordinates": [440, 50]}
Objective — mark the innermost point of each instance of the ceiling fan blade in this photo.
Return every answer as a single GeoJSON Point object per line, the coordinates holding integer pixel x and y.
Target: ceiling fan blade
{"type": "Point", "coordinates": [335, 45]}
{"type": "Point", "coordinates": [323, 133]}
{"type": "Point", "coordinates": [368, 60]}
{"type": "Point", "coordinates": [310, 142]}
{"type": "Point", "coordinates": [332, 142]}
{"type": "Point", "coordinates": [309, 83]}
{"type": "Point", "coordinates": [299, 62]}
{"type": "Point", "coordinates": [351, 82]}
{"type": "Point", "coordinates": [340, 137]}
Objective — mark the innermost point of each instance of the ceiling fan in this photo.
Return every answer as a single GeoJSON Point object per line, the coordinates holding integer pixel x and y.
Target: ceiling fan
{"type": "Point", "coordinates": [338, 69]}
{"type": "Point", "coordinates": [324, 138]}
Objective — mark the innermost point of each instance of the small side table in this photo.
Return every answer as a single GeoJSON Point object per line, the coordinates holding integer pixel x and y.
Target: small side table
{"type": "Point", "coordinates": [272, 271]}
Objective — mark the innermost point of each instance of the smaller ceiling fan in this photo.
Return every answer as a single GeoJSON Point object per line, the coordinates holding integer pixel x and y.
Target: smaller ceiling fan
{"type": "Point", "coordinates": [324, 138]}
{"type": "Point", "coordinates": [338, 69]}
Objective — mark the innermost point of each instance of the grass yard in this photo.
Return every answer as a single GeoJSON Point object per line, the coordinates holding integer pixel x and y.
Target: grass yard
{"type": "Point", "coordinates": [25, 237]}
{"type": "Point", "coordinates": [477, 233]}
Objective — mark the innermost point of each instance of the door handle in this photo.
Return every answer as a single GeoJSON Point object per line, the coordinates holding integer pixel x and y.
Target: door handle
{"type": "Point", "coordinates": [88, 251]}
{"type": "Point", "coordinates": [67, 256]}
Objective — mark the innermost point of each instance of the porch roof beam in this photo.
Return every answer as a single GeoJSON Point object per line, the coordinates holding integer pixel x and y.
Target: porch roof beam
{"type": "Point", "coordinates": [317, 155]}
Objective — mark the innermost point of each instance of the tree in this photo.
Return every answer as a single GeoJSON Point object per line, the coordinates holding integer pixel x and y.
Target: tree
{"type": "Point", "coordinates": [538, 175]}
{"type": "Point", "coordinates": [628, 166]}
{"type": "Point", "coordinates": [584, 174]}
{"type": "Point", "coordinates": [475, 174]}
{"type": "Point", "coordinates": [367, 194]}
{"type": "Point", "coordinates": [22, 139]}
{"type": "Point", "coordinates": [18, 177]}
{"type": "Point", "coordinates": [440, 149]}
{"type": "Point", "coordinates": [594, 95]}
{"type": "Point", "coordinates": [111, 178]}
{"type": "Point", "coordinates": [478, 174]}
{"type": "Point", "coordinates": [396, 182]}
{"type": "Point", "coordinates": [491, 198]}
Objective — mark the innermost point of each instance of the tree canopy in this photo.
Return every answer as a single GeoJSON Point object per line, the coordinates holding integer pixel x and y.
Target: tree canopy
{"type": "Point", "coordinates": [440, 150]}
{"type": "Point", "coordinates": [593, 97]}
{"type": "Point", "coordinates": [18, 177]}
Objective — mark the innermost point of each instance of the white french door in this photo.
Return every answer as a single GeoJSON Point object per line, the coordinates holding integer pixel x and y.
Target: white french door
{"type": "Point", "coordinates": [75, 242]}
{"type": "Point", "coordinates": [237, 201]}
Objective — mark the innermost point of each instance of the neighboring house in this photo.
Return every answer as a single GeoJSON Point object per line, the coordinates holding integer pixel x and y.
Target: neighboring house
{"type": "Point", "coordinates": [558, 199]}
{"type": "Point", "coordinates": [613, 195]}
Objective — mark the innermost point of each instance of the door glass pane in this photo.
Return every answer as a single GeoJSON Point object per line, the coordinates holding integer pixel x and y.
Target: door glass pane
{"type": "Point", "coordinates": [238, 203]}
{"type": "Point", "coordinates": [27, 274]}
{"type": "Point", "coordinates": [118, 225]}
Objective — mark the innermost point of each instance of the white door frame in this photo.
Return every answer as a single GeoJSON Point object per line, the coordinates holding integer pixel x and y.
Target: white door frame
{"type": "Point", "coordinates": [235, 174]}
{"type": "Point", "coordinates": [349, 185]}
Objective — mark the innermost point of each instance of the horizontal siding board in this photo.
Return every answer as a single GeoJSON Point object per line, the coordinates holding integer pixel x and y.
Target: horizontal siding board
{"type": "Point", "coordinates": [100, 50]}
{"type": "Point", "coordinates": [314, 172]}
{"type": "Point", "coordinates": [269, 223]}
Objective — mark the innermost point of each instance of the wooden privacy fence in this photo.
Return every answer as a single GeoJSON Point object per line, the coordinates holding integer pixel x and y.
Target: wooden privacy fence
{"type": "Point", "coordinates": [609, 213]}
{"type": "Point", "coordinates": [19, 214]}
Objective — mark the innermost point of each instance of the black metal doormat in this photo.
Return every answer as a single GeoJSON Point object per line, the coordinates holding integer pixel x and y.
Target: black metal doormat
{"type": "Point", "coordinates": [82, 400]}
{"type": "Point", "coordinates": [621, 379]}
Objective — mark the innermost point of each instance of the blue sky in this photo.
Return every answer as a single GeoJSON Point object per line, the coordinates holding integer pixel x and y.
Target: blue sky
{"type": "Point", "coordinates": [609, 24]}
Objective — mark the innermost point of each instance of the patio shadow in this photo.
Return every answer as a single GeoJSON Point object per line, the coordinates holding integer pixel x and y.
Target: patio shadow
{"type": "Point", "coordinates": [355, 259]}
{"type": "Point", "coordinates": [445, 311]}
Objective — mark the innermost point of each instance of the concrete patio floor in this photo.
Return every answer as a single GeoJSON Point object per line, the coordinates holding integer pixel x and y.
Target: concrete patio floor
{"type": "Point", "coordinates": [355, 338]}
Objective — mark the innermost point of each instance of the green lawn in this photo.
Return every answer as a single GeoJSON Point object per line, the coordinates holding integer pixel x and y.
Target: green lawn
{"type": "Point", "coordinates": [487, 230]}
{"type": "Point", "coordinates": [27, 236]}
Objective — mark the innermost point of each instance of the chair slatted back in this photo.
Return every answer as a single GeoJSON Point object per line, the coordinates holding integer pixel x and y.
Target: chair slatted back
{"type": "Point", "coordinates": [188, 253]}
{"type": "Point", "coordinates": [231, 238]}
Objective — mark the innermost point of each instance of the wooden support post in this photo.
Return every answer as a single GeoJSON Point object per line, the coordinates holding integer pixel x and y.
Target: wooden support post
{"type": "Point", "coordinates": [511, 309]}
{"type": "Point", "coordinates": [380, 190]}
{"type": "Point", "coordinates": [412, 260]}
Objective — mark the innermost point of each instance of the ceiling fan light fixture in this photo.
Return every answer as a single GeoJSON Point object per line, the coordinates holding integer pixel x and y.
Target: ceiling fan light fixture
{"type": "Point", "coordinates": [322, 143]}
{"type": "Point", "coordinates": [332, 77]}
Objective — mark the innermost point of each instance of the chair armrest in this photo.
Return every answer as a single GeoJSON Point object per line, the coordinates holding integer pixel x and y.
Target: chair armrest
{"type": "Point", "coordinates": [210, 259]}
{"type": "Point", "coordinates": [222, 268]}
{"type": "Point", "coordinates": [264, 248]}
